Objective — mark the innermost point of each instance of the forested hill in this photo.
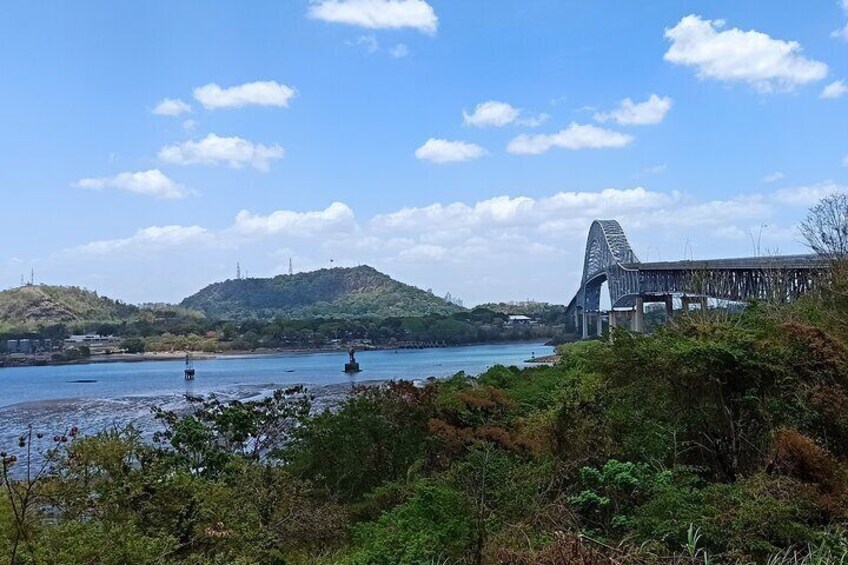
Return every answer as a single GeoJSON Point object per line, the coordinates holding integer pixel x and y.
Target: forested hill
{"type": "Point", "coordinates": [43, 305]}
{"type": "Point", "coordinates": [339, 293]}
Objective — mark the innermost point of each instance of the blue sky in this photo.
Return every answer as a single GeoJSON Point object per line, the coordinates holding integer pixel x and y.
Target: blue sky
{"type": "Point", "coordinates": [459, 146]}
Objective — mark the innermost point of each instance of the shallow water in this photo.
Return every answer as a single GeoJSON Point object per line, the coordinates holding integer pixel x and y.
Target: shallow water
{"type": "Point", "coordinates": [100, 395]}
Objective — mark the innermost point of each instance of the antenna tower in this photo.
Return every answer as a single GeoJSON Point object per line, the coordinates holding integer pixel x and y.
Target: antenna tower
{"type": "Point", "coordinates": [291, 270]}
{"type": "Point", "coordinates": [238, 271]}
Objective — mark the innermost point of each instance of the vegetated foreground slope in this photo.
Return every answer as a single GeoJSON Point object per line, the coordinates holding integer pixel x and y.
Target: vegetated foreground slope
{"type": "Point", "coordinates": [43, 305]}
{"type": "Point", "coordinates": [339, 292]}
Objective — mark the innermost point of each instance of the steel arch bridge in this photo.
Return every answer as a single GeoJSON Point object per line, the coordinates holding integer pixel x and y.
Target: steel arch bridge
{"type": "Point", "coordinates": [631, 283]}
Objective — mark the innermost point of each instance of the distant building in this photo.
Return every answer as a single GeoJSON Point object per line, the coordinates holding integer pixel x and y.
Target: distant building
{"type": "Point", "coordinates": [94, 342]}
{"type": "Point", "coordinates": [520, 321]}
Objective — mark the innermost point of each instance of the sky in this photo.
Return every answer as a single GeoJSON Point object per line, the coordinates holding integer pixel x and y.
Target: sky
{"type": "Point", "coordinates": [147, 148]}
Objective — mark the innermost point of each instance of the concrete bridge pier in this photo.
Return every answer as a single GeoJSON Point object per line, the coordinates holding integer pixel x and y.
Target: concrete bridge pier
{"type": "Point", "coordinates": [585, 324]}
{"type": "Point", "coordinates": [669, 307]}
{"type": "Point", "coordinates": [600, 324]}
{"type": "Point", "coordinates": [637, 322]}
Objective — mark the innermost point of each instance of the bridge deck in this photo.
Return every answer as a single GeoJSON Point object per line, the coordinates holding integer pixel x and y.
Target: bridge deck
{"type": "Point", "coordinates": [813, 262]}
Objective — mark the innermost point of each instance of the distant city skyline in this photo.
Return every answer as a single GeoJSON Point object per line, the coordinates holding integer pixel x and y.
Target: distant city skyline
{"type": "Point", "coordinates": [148, 149]}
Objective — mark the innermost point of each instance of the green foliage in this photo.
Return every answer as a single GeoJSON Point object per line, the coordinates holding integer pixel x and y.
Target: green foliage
{"type": "Point", "coordinates": [614, 490]}
{"type": "Point", "coordinates": [434, 525]}
{"type": "Point", "coordinates": [375, 436]}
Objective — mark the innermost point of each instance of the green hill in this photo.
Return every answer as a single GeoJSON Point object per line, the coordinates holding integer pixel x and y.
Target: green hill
{"type": "Point", "coordinates": [337, 293]}
{"type": "Point", "coordinates": [28, 307]}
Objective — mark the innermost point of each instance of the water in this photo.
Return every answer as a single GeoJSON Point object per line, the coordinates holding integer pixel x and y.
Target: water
{"type": "Point", "coordinates": [51, 399]}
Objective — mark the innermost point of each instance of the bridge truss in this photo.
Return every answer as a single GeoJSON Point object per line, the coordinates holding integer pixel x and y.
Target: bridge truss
{"type": "Point", "coordinates": [609, 258]}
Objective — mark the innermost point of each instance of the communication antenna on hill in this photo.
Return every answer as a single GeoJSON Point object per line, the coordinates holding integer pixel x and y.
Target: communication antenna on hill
{"type": "Point", "coordinates": [31, 277]}
{"type": "Point", "coordinates": [291, 270]}
{"type": "Point", "coordinates": [238, 271]}
{"type": "Point", "coordinates": [22, 280]}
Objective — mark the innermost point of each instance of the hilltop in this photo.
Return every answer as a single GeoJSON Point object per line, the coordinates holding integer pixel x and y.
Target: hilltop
{"type": "Point", "coordinates": [28, 307]}
{"type": "Point", "coordinates": [339, 293]}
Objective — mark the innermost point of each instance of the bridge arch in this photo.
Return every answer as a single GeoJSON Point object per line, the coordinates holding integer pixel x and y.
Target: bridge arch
{"type": "Point", "coordinates": [609, 257]}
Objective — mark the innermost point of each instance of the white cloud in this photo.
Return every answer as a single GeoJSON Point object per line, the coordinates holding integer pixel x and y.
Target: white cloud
{"type": "Point", "coordinates": [399, 51]}
{"type": "Point", "coordinates": [843, 32]}
{"type": "Point", "coordinates": [152, 238]}
{"type": "Point", "coordinates": [734, 55]}
{"type": "Point", "coordinates": [335, 218]}
{"type": "Point", "coordinates": [171, 107]}
{"type": "Point", "coordinates": [216, 150]}
{"type": "Point", "coordinates": [260, 93]}
{"type": "Point", "coordinates": [808, 195]}
{"type": "Point", "coordinates": [834, 90]}
{"type": "Point", "coordinates": [491, 113]}
{"type": "Point", "coordinates": [445, 151]}
{"type": "Point", "coordinates": [656, 169]}
{"type": "Point", "coordinates": [149, 183]}
{"type": "Point", "coordinates": [377, 14]}
{"type": "Point", "coordinates": [498, 114]}
{"type": "Point", "coordinates": [576, 136]}
{"type": "Point", "coordinates": [506, 247]}
{"type": "Point", "coordinates": [651, 111]}
{"type": "Point", "coordinates": [190, 125]}
{"type": "Point", "coordinates": [369, 41]}
{"type": "Point", "coordinates": [774, 177]}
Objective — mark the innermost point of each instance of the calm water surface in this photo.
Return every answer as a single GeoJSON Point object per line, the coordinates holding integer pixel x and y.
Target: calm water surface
{"type": "Point", "coordinates": [52, 398]}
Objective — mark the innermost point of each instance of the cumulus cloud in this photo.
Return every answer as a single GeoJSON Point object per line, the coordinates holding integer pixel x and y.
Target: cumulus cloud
{"type": "Point", "coordinates": [842, 33]}
{"type": "Point", "coordinates": [734, 55]}
{"type": "Point", "coordinates": [575, 136]}
{"type": "Point", "coordinates": [834, 90]}
{"type": "Point", "coordinates": [444, 151]}
{"type": "Point", "coordinates": [505, 247]}
{"type": "Point", "coordinates": [651, 111]}
{"type": "Point", "coordinates": [149, 183]}
{"type": "Point", "coordinates": [774, 177]}
{"type": "Point", "coordinates": [171, 107]}
{"type": "Point", "coordinates": [377, 14]}
{"type": "Point", "coordinates": [152, 238]}
{"type": "Point", "coordinates": [260, 93]}
{"type": "Point", "coordinates": [808, 195]}
{"type": "Point", "coordinates": [498, 114]}
{"type": "Point", "coordinates": [336, 217]}
{"type": "Point", "coordinates": [216, 150]}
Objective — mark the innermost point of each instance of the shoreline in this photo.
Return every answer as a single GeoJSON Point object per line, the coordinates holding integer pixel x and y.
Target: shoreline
{"type": "Point", "coordinates": [199, 355]}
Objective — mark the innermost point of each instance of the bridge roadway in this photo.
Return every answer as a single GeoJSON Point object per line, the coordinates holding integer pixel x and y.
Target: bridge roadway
{"type": "Point", "coordinates": [632, 283]}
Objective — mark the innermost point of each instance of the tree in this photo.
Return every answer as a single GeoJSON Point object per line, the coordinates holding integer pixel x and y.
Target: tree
{"type": "Point", "coordinates": [826, 227]}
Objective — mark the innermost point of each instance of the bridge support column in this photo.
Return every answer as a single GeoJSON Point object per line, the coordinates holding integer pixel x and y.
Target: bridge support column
{"type": "Point", "coordinates": [637, 323]}
{"type": "Point", "coordinates": [669, 307]}
{"type": "Point", "coordinates": [600, 324]}
{"type": "Point", "coordinates": [585, 324]}
{"type": "Point", "coordinates": [613, 322]}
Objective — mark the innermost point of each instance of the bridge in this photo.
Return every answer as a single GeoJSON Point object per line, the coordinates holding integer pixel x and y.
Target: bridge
{"type": "Point", "coordinates": [631, 283]}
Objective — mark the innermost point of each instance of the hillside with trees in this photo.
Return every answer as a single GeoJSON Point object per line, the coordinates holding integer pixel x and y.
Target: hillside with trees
{"type": "Point", "coordinates": [327, 293]}
{"type": "Point", "coordinates": [33, 306]}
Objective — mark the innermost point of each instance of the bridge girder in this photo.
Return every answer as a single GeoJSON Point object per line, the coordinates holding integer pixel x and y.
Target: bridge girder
{"type": "Point", "coordinates": [609, 257]}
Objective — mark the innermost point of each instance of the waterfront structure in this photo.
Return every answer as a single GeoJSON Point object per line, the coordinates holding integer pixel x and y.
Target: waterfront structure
{"type": "Point", "coordinates": [631, 283]}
